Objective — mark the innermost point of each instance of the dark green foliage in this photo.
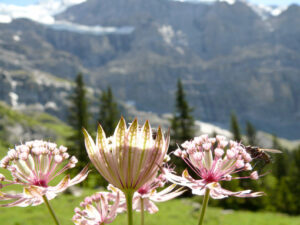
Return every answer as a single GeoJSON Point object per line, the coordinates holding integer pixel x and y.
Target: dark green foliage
{"type": "Point", "coordinates": [293, 185]}
{"type": "Point", "coordinates": [235, 128]}
{"type": "Point", "coordinates": [182, 124]}
{"type": "Point", "coordinates": [78, 119]}
{"type": "Point", "coordinates": [251, 134]}
{"type": "Point", "coordinates": [109, 114]}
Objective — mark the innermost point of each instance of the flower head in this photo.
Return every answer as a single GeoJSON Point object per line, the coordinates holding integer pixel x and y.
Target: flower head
{"type": "Point", "coordinates": [213, 160]}
{"type": "Point", "coordinates": [146, 196]}
{"type": "Point", "coordinates": [98, 209]}
{"type": "Point", "coordinates": [131, 157]}
{"type": "Point", "coordinates": [33, 165]}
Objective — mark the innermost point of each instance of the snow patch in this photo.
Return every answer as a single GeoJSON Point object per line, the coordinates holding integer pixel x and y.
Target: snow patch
{"type": "Point", "coordinates": [13, 99]}
{"type": "Point", "coordinates": [16, 38]}
{"type": "Point", "coordinates": [96, 30]}
{"type": "Point", "coordinates": [173, 38]}
{"type": "Point", "coordinates": [51, 105]}
{"type": "Point", "coordinates": [208, 128]}
{"type": "Point", "coordinates": [265, 11]}
{"type": "Point", "coordinates": [167, 33]}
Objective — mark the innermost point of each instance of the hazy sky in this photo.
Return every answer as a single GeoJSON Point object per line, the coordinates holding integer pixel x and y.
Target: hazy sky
{"type": "Point", "coordinates": [267, 2]}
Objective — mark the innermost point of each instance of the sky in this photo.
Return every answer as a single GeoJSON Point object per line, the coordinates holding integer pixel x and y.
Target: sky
{"type": "Point", "coordinates": [265, 2]}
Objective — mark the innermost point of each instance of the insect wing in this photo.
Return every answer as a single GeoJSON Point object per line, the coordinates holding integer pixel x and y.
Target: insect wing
{"type": "Point", "coordinates": [271, 150]}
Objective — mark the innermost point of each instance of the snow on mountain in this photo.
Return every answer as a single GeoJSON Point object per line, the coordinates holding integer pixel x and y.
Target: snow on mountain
{"type": "Point", "coordinates": [265, 11]}
{"type": "Point", "coordinates": [44, 12]}
{"type": "Point", "coordinates": [95, 30]}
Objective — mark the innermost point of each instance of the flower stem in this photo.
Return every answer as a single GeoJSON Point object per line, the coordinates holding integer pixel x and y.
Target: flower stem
{"type": "Point", "coordinates": [129, 196]}
{"type": "Point", "coordinates": [204, 205]}
{"type": "Point", "coordinates": [50, 210]}
{"type": "Point", "coordinates": [142, 211]}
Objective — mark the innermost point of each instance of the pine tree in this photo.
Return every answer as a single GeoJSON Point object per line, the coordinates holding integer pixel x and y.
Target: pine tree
{"type": "Point", "coordinates": [78, 119]}
{"type": "Point", "coordinates": [182, 123]}
{"type": "Point", "coordinates": [109, 112]}
{"type": "Point", "coordinates": [235, 128]}
{"type": "Point", "coordinates": [281, 161]}
{"type": "Point", "coordinates": [251, 134]}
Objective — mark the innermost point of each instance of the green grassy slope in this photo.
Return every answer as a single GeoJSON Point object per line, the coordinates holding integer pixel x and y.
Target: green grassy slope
{"type": "Point", "coordinates": [50, 127]}
{"type": "Point", "coordinates": [175, 212]}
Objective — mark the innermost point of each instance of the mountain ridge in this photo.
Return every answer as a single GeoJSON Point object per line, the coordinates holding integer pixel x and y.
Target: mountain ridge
{"type": "Point", "coordinates": [227, 56]}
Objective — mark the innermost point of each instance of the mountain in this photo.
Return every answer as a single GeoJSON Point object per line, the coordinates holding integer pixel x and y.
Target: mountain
{"type": "Point", "coordinates": [228, 56]}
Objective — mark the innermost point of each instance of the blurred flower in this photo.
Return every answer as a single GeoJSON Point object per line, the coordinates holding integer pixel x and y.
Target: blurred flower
{"type": "Point", "coordinates": [131, 157]}
{"type": "Point", "coordinates": [213, 160]}
{"type": "Point", "coordinates": [146, 195]}
{"type": "Point", "coordinates": [99, 209]}
{"type": "Point", "coordinates": [33, 165]}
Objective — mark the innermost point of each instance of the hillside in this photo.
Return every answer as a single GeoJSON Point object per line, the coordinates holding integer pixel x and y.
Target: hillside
{"type": "Point", "coordinates": [17, 127]}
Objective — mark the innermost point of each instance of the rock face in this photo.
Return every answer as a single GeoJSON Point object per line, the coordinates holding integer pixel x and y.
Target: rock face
{"type": "Point", "coordinates": [228, 57]}
{"type": "Point", "coordinates": [35, 91]}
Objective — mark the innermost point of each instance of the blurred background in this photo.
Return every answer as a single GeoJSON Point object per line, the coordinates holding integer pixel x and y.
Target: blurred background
{"type": "Point", "coordinates": [229, 67]}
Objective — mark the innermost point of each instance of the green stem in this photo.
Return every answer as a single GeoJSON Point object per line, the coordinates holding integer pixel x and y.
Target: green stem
{"type": "Point", "coordinates": [142, 211]}
{"type": "Point", "coordinates": [129, 196]}
{"type": "Point", "coordinates": [204, 205]}
{"type": "Point", "coordinates": [50, 210]}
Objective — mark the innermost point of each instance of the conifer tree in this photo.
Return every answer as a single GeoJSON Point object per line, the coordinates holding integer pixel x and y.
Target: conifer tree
{"type": "Point", "coordinates": [109, 112]}
{"type": "Point", "coordinates": [251, 134]}
{"type": "Point", "coordinates": [281, 162]}
{"type": "Point", "coordinates": [182, 123]}
{"type": "Point", "coordinates": [235, 128]}
{"type": "Point", "coordinates": [78, 119]}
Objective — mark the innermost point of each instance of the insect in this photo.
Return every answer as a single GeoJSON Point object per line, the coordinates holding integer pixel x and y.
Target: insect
{"type": "Point", "coordinates": [261, 153]}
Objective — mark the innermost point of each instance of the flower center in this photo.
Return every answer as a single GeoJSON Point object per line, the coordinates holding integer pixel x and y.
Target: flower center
{"type": "Point", "coordinates": [210, 178]}
{"type": "Point", "coordinates": [143, 191]}
{"type": "Point", "coordinates": [41, 183]}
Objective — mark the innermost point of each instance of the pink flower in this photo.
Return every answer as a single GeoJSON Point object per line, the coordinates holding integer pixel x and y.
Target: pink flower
{"type": "Point", "coordinates": [33, 165]}
{"type": "Point", "coordinates": [99, 209]}
{"type": "Point", "coordinates": [147, 195]}
{"type": "Point", "coordinates": [131, 157]}
{"type": "Point", "coordinates": [213, 160]}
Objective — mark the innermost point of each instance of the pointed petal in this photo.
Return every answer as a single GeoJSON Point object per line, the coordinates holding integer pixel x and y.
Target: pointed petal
{"type": "Point", "coordinates": [145, 143]}
{"type": "Point", "coordinates": [120, 133]}
{"type": "Point", "coordinates": [95, 154]}
{"type": "Point", "coordinates": [81, 176]}
{"type": "Point", "coordinates": [130, 158]}
{"type": "Point", "coordinates": [63, 185]}
{"type": "Point", "coordinates": [101, 138]}
{"type": "Point", "coordinates": [89, 144]}
{"type": "Point", "coordinates": [22, 202]}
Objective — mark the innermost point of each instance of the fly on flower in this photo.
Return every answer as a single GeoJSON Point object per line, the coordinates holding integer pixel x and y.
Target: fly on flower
{"type": "Point", "coordinates": [33, 165]}
{"type": "Point", "coordinates": [214, 160]}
